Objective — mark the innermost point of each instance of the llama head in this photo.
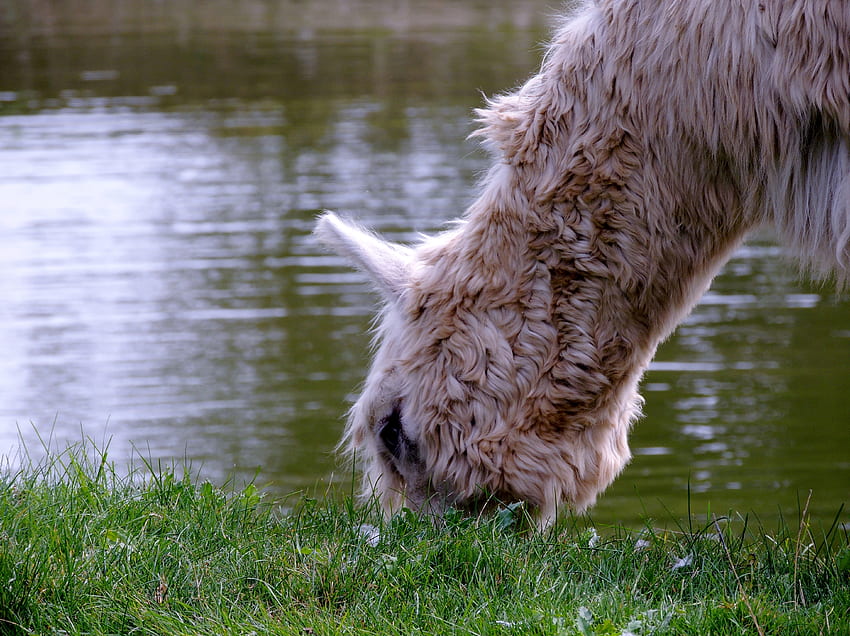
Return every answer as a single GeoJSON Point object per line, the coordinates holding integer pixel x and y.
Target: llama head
{"type": "Point", "coordinates": [456, 409]}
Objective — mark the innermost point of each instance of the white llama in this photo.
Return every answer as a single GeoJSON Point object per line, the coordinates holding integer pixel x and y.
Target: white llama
{"type": "Point", "coordinates": [656, 135]}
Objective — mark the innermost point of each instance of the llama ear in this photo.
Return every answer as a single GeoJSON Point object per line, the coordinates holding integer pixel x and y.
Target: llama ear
{"type": "Point", "coordinates": [387, 264]}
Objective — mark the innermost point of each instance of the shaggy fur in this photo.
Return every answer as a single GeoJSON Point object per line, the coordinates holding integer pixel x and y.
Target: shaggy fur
{"type": "Point", "coordinates": [655, 136]}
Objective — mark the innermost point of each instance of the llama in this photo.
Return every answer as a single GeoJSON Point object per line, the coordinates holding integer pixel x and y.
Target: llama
{"type": "Point", "coordinates": [655, 136]}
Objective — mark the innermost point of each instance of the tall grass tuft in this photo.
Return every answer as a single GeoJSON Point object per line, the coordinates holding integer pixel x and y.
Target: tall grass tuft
{"type": "Point", "coordinates": [86, 549]}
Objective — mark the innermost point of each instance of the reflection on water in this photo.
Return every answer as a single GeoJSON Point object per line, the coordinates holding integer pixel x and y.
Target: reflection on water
{"type": "Point", "coordinates": [158, 273]}
{"type": "Point", "coordinates": [160, 286]}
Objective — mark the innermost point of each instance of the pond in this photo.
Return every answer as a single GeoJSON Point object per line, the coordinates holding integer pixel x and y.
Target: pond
{"type": "Point", "coordinates": [162, 294]}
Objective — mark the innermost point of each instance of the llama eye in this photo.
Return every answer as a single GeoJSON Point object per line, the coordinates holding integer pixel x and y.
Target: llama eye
{"type": "Point", "coordinates": [390, 431]}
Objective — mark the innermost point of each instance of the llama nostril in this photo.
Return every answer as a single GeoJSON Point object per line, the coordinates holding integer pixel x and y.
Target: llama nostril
{"type": "Point", "coordinates": [390, 431]}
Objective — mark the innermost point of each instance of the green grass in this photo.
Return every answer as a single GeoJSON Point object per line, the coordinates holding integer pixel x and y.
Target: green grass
{"type": "Point", "coordinates": [85, 549]}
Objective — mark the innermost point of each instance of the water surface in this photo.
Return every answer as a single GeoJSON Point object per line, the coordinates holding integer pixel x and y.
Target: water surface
{"type": "Point", "coordinates": [160, 287]}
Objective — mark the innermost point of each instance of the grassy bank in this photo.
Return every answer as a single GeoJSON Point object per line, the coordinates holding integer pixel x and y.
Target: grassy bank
{"type": "Point", "coordinates": [84, 549]}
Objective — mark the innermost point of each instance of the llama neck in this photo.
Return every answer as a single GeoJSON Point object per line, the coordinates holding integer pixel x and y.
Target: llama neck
{"type": "Point", "coordinates": [595, 282]}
